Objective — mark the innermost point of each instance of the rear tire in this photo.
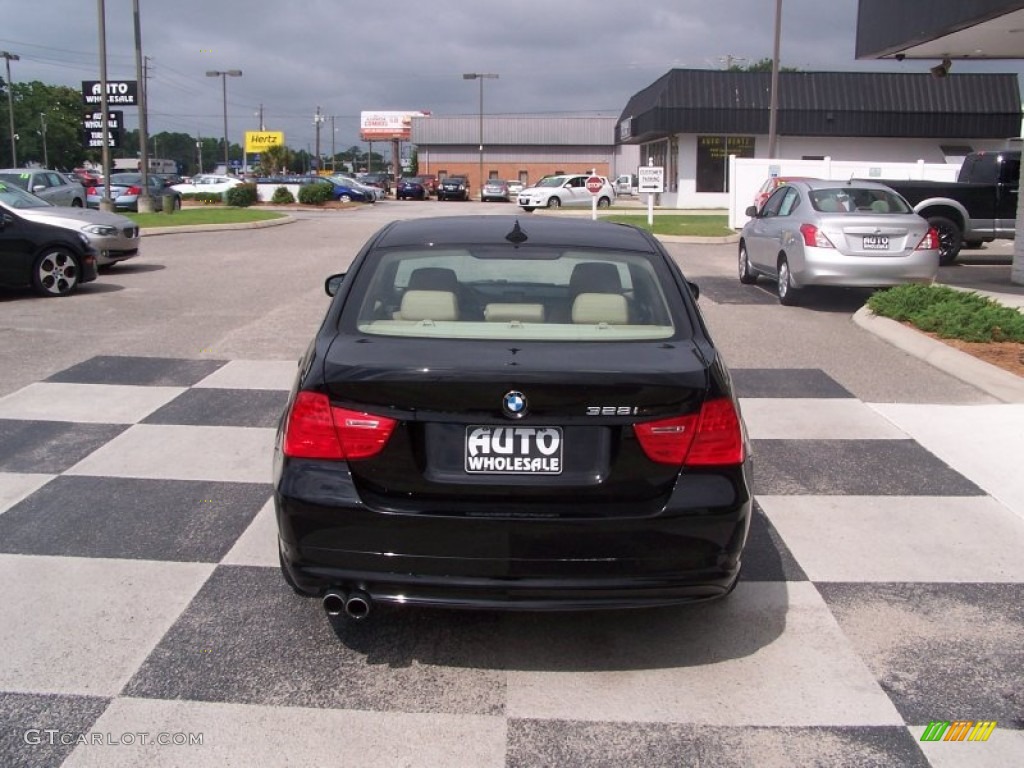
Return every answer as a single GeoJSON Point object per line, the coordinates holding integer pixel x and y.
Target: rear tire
{"type": "Point", "coordinates": [789, 294]}
{"type": "Point", "coordinates": [604, 202]}
{"type": "Point", "coordinates": [77, 203]}
{"type": "Point", "coordinates": [950, 239]}
{"type": "Point", "coordinates": [748, 275]}
{"type": "Point", "coordinates": [554, 202]}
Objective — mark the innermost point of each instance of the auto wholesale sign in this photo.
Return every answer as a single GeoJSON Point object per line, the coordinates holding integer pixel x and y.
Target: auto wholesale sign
{"type": "Point", "coordinates": [261, 141]}
{"type": "Point", "coordinates": [92, 128]}
{"type": "Point", "coordinates": [378, 126]}
{"type": "Point", "coordinates": [121, 92]}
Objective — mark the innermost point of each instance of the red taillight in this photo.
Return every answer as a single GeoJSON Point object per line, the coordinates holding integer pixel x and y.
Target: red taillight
{"type": "Point", "coordinates": [318, 430]}
{"type": "Point", "coordinates": [930, 242]}
{"type": "Point", "coordinates": [133, 191]}
{"type": "Point", "coordinates": [711, 438]}
{"type": "Point", "coordinates": [814, 237]}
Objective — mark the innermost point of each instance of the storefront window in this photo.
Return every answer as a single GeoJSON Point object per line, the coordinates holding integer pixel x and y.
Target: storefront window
{"type": "Point", "coordinates": [713, 159]}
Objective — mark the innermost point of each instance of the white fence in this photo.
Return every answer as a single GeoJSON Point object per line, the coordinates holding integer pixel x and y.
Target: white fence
{"type": "Point", "coordinates": [748, 174]}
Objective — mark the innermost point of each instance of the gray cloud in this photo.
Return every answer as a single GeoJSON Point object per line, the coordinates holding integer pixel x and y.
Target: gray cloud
{"type": "Point", "coordinates": [553, 56]}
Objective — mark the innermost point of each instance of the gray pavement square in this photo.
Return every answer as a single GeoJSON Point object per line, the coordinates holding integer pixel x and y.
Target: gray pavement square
{"type": "Point", "coordinates": [222, 408]}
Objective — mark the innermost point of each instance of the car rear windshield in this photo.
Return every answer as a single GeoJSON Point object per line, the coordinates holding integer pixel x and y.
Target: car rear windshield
{"type": "Point", "coordinates": [858, 199]}
{"type": "Point", "coordinates": [532, 293]}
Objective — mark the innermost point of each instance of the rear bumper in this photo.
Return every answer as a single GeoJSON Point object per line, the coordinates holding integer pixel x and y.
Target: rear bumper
{"type": "Point", "coordinates": [826, 266]}
{"type": "Point", "coordinates": [689, 551]}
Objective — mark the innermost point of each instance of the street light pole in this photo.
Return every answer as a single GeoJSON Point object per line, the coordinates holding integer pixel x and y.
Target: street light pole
{"type": "Point", "coordinates": [9, 57]}
{"type": "Point", "coordinates": [481, 76]}
{"type": "Point", "coordinates": [223, 75]}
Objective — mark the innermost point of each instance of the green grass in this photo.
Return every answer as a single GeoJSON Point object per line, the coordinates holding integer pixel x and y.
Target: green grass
{"type": "Point", "coordinates": [949, 313]}
{"type": "Point", "coordinates": [697, 225]}
{"type": "Point", "coordinates": [190, 216]}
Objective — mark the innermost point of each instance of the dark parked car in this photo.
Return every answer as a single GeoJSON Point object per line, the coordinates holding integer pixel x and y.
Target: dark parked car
{"type": "Point", "coordinates": [499, 414]}
{"type": "Point", "coordinates": [125, 189]}
{"type": "Point", "coordinates": [51, 260]}
{"type": "Point", "coordinates": [454, 188]}
{"type": "Point", "coordinates": [411, 189]}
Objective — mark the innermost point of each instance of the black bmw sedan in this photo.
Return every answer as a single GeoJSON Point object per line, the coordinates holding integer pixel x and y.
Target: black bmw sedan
{"type": "Point", "coordinates": [505, 413]}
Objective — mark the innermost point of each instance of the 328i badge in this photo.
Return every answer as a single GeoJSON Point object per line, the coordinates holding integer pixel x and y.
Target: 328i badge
{"type": "Point", "coordinates": [517, 416]}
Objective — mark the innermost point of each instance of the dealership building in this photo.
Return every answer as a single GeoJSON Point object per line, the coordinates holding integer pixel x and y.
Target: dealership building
{"type": "Point", "coordinates": [691, 121]}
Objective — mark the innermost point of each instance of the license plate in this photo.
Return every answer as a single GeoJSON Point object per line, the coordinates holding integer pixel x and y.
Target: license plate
{"type": "Point", "coordinates": [506, 450]}
{"type": "Point", "coordinates": [876, 243]}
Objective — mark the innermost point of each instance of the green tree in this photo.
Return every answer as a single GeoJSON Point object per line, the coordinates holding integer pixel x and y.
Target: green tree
{"type": "Point", "coordinates": [53, 110]}
{"type": "Point", "coordinates": [761, 65]}
{"type": "Point", "coordinates": [275, 160]}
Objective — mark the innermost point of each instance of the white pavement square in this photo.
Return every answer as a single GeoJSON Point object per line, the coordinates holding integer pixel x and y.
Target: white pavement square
{"type": "Point", "coordinates": [85, 403]}
{"type": "Point", "coordinates": [799, 418]}
{"type": "Point", "coordinates": [252, 374]}
{"type": "Point", "coordinates": [175, 452]}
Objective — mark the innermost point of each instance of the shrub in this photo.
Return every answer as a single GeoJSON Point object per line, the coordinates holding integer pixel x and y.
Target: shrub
{"type": "Point", "coordinates": [242, 196]}
{"type": "Point", "coordinates": [203, 197]}
{"type": "Point", "coordinates": [949, 313]}
{"type": "Point", "coordinates": [282, 195]}
{"type": "Point", "coordinates": [314, 194]}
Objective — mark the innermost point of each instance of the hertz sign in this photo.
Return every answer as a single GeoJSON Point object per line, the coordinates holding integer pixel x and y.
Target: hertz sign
{"type": "Point", "coordinates": [259, 141]}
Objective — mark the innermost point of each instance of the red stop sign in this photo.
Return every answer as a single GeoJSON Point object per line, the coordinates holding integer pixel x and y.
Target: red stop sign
{"type": "Point", "coordinates": [594, 185]}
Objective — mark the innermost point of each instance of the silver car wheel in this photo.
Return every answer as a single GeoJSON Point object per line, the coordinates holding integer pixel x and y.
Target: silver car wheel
{"type": "Point", "coordinates": [554, 202]}
{"type": "Point", "coordinates": [747, 274]}
{"type": "Point", "coordinates": [788, 293]}
{"type": "Point", "coordinates": [55, 273]}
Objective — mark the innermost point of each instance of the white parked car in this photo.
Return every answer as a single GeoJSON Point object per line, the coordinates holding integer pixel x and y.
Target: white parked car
{"type": "Point", "coordinates": [567, 190]}
{"type": "Point", "coordinates": [207, 182]}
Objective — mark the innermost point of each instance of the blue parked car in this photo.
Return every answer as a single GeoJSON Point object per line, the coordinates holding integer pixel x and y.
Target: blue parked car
{"type": "Point", "coordinates": [339, 191]}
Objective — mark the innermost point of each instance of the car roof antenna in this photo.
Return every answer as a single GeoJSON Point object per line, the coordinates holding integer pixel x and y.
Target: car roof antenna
{"type": "Point", "coordinates": [516, 236]}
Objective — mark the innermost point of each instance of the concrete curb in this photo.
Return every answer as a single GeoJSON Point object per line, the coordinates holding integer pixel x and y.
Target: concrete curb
{"type": "Point", "coordinates": [286, 219]}
{"type": "Point", "coordinates": [1002, 385]}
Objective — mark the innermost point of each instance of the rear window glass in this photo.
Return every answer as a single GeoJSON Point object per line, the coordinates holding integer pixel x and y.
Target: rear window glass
{"type": "Point", "coordinates": [857, 200]}
{"type": "Point", "coordinates": [528, 294]}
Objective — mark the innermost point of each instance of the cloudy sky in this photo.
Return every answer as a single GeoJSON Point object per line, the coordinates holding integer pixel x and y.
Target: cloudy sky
{"type": "Point", "coordinates": [553, 57]}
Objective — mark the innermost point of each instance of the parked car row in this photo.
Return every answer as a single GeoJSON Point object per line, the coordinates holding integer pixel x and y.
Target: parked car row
{"type": "Point", "coordinates": [54, 249]}
{"type": "Point", "coordinates": [126, 188]}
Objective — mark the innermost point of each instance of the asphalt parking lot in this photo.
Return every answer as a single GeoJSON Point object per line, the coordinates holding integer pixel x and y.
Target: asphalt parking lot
{"type": "Point", "coordinates": [881, 590]}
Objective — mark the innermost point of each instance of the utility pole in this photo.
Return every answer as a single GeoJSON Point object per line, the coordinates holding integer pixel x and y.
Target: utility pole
{"type": "Point", "coordinates": [333, 152]}
{"type": "Point", "coordinates": [145, 201]}
{"type": "Point", "coordinates": [317, 120]}
{"type": "Point", "coordinates": [773, 108]}
{"type": "Point", "coordinates": [8, 58]}
{"type": "Point", "coordinates": [106, 203]}
{"type": "Point", "coordinates": [42, 132]}
{"type": "Point", "coordinates": [262, 126]}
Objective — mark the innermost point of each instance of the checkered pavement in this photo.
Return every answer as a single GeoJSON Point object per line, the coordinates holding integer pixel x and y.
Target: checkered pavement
{"type": "Point", "coordinates": [882, 589]}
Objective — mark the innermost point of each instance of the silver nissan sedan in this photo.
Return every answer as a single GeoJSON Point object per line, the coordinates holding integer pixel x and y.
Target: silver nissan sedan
{"type": "Point", "coordinates": [839, 233]}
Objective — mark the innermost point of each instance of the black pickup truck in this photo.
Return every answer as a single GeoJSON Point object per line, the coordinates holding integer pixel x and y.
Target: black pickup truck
{"type": "Point", "coordinates": [980, 206]}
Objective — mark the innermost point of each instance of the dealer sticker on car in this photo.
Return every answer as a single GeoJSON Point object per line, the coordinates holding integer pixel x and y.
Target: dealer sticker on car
{"type": "Point", "coordinates": [876, 242]}
{"type": "Point", "coordinates": [514, 450]}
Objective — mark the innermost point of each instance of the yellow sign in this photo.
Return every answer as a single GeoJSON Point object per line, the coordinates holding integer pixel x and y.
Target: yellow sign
{"type": "Point", "coordinates": [258, 141]}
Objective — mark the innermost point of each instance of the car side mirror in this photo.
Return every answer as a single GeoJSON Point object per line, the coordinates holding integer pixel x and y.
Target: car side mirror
{"type": "Point", "coordinates": [38, 188]}
{"type": "Point", "coordinates": [694, 289]}
{"type": "Point", "coordinates": [333, 284]}
{"type": "Point", "coordinates": [5, 219]}
{"type": "Point", "coordinates": [751, 211]}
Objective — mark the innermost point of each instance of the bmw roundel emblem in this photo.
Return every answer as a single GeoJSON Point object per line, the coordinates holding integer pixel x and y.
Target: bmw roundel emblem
{"type": "Point", "coordinates": [514, 404]}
